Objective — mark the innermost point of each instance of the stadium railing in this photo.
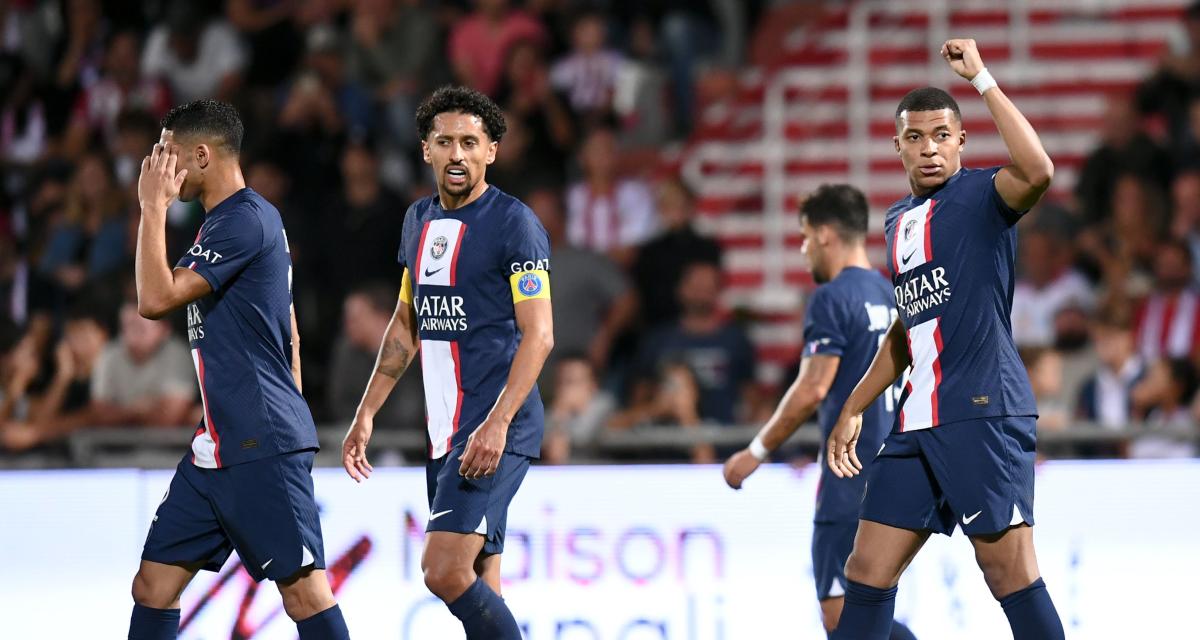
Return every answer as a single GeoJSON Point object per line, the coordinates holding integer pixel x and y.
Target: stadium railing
{"type": "Point", "coordinates": [162, 447]}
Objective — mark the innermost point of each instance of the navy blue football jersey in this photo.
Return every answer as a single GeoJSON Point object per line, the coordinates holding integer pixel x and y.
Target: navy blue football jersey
{"type": "Point", "coordinates": [849, 317]}
{"type": "Point", "coordinates": [465, 271]}
{"type": "Point", "coordinates": [952, 256]}
{"type": "Point", "coordinates": [241, 337]}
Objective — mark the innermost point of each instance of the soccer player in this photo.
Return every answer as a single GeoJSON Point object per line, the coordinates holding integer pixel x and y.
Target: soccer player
{"type": "Point", "coordinates": [247, 482]}
{"type": "Point", "coordinates": [845, 322]}
{"type": "Point", "coordinates": [475, 299]}
{"type": "Point", "coordinates": [962, 449]}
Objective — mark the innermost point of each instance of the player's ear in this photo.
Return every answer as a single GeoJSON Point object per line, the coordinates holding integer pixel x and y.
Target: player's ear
{"type": "Point", "coordinates": [425, 152]}
{"type": "Point", "coordinates": [491, 154]}
{"type": "Point", "coordinates": [896, 143]}
{"type": "Point", "coordinates": [203, 155]}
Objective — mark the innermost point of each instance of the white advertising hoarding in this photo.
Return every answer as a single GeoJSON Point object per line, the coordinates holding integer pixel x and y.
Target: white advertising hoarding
{"type": "Point", "coordinates": [610, 553]}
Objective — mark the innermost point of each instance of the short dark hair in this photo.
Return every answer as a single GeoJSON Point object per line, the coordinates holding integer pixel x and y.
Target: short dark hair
{"type": "Point", "coordinates": [928, 99]}
{"type": "Point", "coordinates": [209, 119]}
{"type": "Point", "coordinates": [378, 295]}
{"type": "Point", "coordinates": [839, 205]}
{"type": "Point", "coordinates": [458, 99]}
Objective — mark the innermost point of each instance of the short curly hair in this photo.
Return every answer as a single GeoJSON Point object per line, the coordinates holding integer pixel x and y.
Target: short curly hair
{"type": "Point", "coordinates": [209, 120]}
{"type": "Point", "coordinates": [458, 99]}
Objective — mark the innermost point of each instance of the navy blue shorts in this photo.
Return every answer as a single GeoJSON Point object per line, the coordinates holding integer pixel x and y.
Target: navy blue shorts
{"type": "Point", "coordinates": [460, 505]}
{"type": "Point", "coordinates": [832, 543]}
{"type": "Point", "coordinates": [976, 474]}
{"type": "Point", "coordinates": [265, 509]}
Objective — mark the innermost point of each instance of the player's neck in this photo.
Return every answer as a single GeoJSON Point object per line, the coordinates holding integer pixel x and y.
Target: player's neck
{"type": "Point", "coordinates": [853, 257]}
{"type": "Point", "coordinates": [451, 202]}
{"type": "Point", "coordinates": [221, 184]}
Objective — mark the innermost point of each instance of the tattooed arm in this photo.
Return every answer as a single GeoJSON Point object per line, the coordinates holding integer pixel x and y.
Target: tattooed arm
{"type": "Point", "coordinates": [399, 346]}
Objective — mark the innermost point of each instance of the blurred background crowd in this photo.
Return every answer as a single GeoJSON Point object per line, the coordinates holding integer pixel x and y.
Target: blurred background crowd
{"type": "Point", "coordinates": [1106, 312]}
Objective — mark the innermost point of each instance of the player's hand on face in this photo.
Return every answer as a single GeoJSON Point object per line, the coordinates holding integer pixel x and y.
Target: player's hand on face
{"type": "Point", "coordinates": [841, 454]}
{"type": "Point", "coordinates": [484, 449]}
{"type": "Point", "coordinates": [739, 466]}
{"type": "Point", "coordinates": [354, 449]}
{"type": "Point", "coordinates": [158, 183]}
{"type": "Point", "coordinates": [963, 56]}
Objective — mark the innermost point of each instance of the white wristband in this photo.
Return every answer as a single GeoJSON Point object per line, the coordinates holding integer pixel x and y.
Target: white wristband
{"type": "Point", "coordinates": [983, 81]}
{"type": "Point", "coordinates": [758, 449]}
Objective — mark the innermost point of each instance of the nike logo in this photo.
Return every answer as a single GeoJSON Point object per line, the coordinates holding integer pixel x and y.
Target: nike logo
{"type": "Point", "coordinates": [905, 259]}
{"type": "Point", "coordinates": [429, 273]}
{"type": "Point", "coordinates": [264, 565]}
{"type": "Point", "coordinates": [966, 521]}
{"type": "Point", "coordinates": [439, 514]}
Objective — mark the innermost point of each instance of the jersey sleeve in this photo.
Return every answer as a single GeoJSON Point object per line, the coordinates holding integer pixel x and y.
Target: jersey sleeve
{"type": "Point", "coordinates": [527, 257]}
{"type": "Point", "coordinates": [410, 217]}
{"type": "Point", "coordinates": [824, 325]}
{"type": "Point", "coordinates": [996, 201]}
{"type": "Point", "coordinates": [224, 247]}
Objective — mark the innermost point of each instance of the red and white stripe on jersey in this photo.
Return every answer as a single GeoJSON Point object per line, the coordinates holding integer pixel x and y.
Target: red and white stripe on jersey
{"type": "Point", "coordinates": [913, 245]}
{"type": "Point", "coordinates": [441, 371]}
{"type": "Point", "coordinates": [206, 443]}
{"type": "Point", "coordinates": [1169, 326]}
{"type": "Point", "coordinates": [437, 253]}
{"type": "Point", "coordinates": [920, 410]}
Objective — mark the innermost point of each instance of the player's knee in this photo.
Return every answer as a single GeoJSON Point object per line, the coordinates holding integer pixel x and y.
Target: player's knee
{"type": "Point", "coordinates": [305, 595]}
{"type": "Point", "coordinates": [448, 583]}
{"type": "Point", "coordinates": [864, 570]}
{"type": "Point", "coordinates": [148, 594]}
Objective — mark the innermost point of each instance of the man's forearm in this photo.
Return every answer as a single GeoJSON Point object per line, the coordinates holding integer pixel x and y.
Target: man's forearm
{"type": "Point", "coordinates": [395, 354]}
{"type": "Point", "coordinates": [1029, 158]}
{"type": "Point", "coordinates": [526, 367]}
{"type": "Point", "coordinates": [798, 404]}
{"type": "Point", "coordinates": [151, 273]}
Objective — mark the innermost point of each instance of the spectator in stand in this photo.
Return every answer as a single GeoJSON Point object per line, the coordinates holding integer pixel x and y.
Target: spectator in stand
{"type": "Point", "coordinates": [272, 38]}
{"type": "Point", "coordinates": [537, 114]}
{"type": "Point", "coordinates": [594, 303]}
{"type": "Point", "coordinates": [1185, 213]}
{"type": "Point", "coordinates": [479, 43]}
{"type": "Point", "coordinates": [1047, 284]}
{"type": "Point", "coordinates": [365, 316]}
{"type": "Point", "coordinates": [1044, 367]}
{"type": "Point", "coordinates": [1168, 321]}
{"type": "Point", "coordinates": [1123, 249]}
{"type": "Point", "coordinates": [25, 134]}
{"type": "Point", "coordinates": [578, 411]}
{"type": "Point", "coordinates": [674, 400]}
{"type": "Point", "coordinates": [605, 212]}
{"type": "Point", "coordinates": [1107, 396]}
{"type": "Point", "coordinates": [89, 242]}
{"type": "Point", "coordinates": [393, 47]}
{"type": "Point", "coordinates": [715, 350]}
{"type": "Point", "coordinates": [1166, 395]}
{"type": "Point", "coordinates": [1173, 86]}
{"type": "Point", "coordinates": [45, 399]}
{"type": "Point", "coordinates": [588, 74]}
{"type": "Point", "coordinates": [134, 132]}
{"type": "Point", "coordinates": [121, 87]}
{"type": "Point", "coordinates": [198, 55]}
{"type": "Point", "coordinates": [660, 262]}
{"type": "Point", "coordinates": [143, 379]}
{"type": "Point", "coordinates": [321, 95]}
{"type": "Point", "coordinates": [1124, 149]}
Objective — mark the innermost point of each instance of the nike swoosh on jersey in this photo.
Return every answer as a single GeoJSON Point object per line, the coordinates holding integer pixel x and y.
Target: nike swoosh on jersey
{"type": "Point", "coordinates": [429, 273]}
{"type": "Point", "coordinates": [264, 565]}
{"type": "Point", "coordinates": [908, 257]}
{"type": "Point", "coordinates": [439, 514]}
{"type": "Point", "coordinates": [967, 521]}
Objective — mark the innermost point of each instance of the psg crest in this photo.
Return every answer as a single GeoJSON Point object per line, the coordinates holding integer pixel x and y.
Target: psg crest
{"type": "Point", "coordinates": [908, 231]}
{"type": "Point", "coordinates": [438, 249]}
{"type": "Point", "coordinates": [530, 284]}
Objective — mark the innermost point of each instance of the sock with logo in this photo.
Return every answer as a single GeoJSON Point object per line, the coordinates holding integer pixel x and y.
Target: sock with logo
{"type": "Point", "coordinates": [1031, 613]}
{"type": "Point", "coordinates": [153, 624]}
{"type": "Point", "coordinates": [900, 632]}
{"type": "Point", "coordinates": [484, 615]}
{"type": "Point", "coordinates": [867, 613]}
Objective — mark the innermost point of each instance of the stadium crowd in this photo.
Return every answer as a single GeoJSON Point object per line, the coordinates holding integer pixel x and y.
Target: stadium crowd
{"type": "Point", "coordinates": [1106, 311]}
